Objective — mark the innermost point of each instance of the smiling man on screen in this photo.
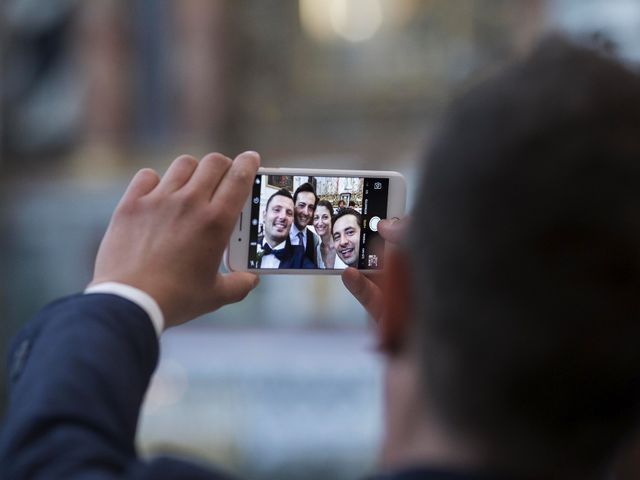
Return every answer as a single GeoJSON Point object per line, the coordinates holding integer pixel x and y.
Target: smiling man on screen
{"type": "Point", "coordinates": [275, 249]}
{"type": "Point", "coordinates": [346, 227]}
{"type": "Point", "coordinates": [305, 200]}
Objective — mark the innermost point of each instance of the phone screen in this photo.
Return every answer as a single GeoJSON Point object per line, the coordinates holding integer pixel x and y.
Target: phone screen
{"type": "Point", "coordinates": [305, 222]}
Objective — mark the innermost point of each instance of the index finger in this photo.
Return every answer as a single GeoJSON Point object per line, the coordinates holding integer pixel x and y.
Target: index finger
{"type": "Point", "coordinates": [235, 186]}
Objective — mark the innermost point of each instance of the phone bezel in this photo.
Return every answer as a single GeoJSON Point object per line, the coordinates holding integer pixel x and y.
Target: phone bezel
{"type": "Point", "coordinates": [236, 254]}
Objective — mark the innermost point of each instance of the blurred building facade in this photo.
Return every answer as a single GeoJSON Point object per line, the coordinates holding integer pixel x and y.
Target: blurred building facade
{"type": "Point", "coordinates": [292, 78]}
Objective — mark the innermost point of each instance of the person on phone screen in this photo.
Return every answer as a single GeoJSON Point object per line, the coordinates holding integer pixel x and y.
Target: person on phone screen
{"type": "Point", "coordinates": [346, 227]}
{"type": "Point", "coordinates": [304, 200]}
{"type": "Point", "coordinates": [322, 225]}
{"type": "Point", "coordinates": [274, 248]}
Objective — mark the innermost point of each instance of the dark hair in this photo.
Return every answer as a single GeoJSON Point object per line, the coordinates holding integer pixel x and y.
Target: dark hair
{"type": "Point", "coordinates": [326, 204]}
{"type": "Point", "coordinates": [525, 256]}
{"type": "Point", "coordinates": [346, 211]}
{"type": "Point", "coordinates": [305, 187]}
{"type": "Point", "coordinates": [283, 192]}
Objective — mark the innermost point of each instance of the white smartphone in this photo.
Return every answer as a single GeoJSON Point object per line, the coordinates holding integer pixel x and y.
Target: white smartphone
{"type": "Point", "coordinates": [313, 221]}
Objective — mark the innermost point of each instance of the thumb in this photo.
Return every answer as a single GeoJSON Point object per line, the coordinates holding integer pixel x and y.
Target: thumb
{"type": "Point", "coordinates": [364, 291]}
{"type": "Point", "coordinates": [394, 231]}
{"type": "Point", "coordinates": [233, 287]}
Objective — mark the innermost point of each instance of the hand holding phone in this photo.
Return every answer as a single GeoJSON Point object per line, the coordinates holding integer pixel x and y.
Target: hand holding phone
{"type": "Point", "coordinates": [315, 221]}
{"type": "Point", "coordinates": [367, 290]}
{"type": "Point", "coordinates": [167, 236]}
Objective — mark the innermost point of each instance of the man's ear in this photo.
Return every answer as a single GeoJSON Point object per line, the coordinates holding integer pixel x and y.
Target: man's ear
{"type": "Point", "coordinates": [395, 321]}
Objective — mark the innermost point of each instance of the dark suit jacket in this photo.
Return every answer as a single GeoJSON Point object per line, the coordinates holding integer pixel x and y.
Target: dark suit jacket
{"type": "Point", "coordinates": [310, 250]}
{"type": "Point", "coordinates": [424, 473]}
{"type": "Point", "coordinates": [295, 256]}
{"type": "Point", "coordinates": [77, 375]}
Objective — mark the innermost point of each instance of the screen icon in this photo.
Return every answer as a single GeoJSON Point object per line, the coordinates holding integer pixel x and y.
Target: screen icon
{"type": "Point", "coordinates": [256, 200]}
{"type": "Point", "coordinates": [373, 223]}
{"type": "Point", "coordinates": [377, 186]}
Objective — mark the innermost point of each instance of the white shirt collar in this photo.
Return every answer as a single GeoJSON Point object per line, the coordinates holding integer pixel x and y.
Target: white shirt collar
{"type": "Point", "coordinates": [277, 247]}
{"type": "Point", "coordinates": [293, 233]}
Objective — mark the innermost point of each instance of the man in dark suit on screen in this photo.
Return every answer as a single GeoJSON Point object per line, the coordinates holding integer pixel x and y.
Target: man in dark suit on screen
{"type": "Point", "coordinates": [509, 318]}
{"type": "Point", "coordinates": [274, 248]}
{"type": "Point", "coordinates": [304, 204]}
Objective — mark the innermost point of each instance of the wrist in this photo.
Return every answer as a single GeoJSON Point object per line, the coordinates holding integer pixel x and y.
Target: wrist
{"type": "Point", "coordinates": [140, 297]}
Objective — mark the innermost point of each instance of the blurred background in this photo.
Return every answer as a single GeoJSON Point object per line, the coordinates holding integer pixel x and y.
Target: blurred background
{"type": "Point", "coordinates": [286, 384]}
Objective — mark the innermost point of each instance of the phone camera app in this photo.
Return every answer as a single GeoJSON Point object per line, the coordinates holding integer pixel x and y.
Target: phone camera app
{"type": "Point", "coordinates": [308, 222]}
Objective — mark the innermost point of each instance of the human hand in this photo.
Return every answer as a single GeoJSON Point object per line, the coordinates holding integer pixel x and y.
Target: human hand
{"type": "Point", "coordinates": [367, 290]}
{"type": "Point", "coordinates": [167, 236]}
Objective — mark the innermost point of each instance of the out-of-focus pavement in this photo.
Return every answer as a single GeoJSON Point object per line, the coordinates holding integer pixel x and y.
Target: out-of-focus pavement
{"type": "Point", "coordinates": [272, 403]}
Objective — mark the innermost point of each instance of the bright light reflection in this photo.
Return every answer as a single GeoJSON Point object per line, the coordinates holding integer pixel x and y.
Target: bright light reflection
{"type": "Point", "coordinates": [355, 20]}
{"type": "Point", "coordinates": [314, 16]}
{"type": "Point", "coordinates": [168, 386]}
{"type": "Point", "coordinates": [352, 20]}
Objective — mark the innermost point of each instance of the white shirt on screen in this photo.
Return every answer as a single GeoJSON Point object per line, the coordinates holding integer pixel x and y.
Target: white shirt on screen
{"type": "Point", "coordinates": [293, 236]}
{"type": "Point", "coordinates": [271, 261]}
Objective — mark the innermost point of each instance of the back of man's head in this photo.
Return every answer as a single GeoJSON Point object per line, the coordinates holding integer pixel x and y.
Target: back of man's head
{"type": "Point", "coordinates": [526, 261]}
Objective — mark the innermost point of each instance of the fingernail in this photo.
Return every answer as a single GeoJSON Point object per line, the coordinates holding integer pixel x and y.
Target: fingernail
{"type": "Point", "coordinates": [251, 152]}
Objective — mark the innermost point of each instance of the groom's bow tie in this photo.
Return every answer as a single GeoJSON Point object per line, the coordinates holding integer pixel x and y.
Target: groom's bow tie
{"type": "Point", "coordinates": [267, 250]}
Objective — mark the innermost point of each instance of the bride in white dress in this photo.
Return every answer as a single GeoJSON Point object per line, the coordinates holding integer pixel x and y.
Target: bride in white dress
{"type": "Point", "coordinates": [322, 226]}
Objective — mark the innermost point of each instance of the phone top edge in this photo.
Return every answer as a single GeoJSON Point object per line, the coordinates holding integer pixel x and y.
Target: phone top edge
{"type": "Point", "coordinates": [318, 172]}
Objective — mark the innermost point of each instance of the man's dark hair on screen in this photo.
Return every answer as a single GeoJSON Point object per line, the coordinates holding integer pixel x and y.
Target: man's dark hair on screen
{"type": "Point", "coordinates": [346, 211]}
{"type": "Point", "coordinates": [282, 192]}
{"type": "Point", "coordinates": [525, 256]}
{"type": "Point", "coordinates": [305, 187]}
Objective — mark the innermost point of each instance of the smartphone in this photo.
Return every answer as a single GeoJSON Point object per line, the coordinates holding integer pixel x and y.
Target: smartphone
{"type": "Point", "coordinates": [313, 221]}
